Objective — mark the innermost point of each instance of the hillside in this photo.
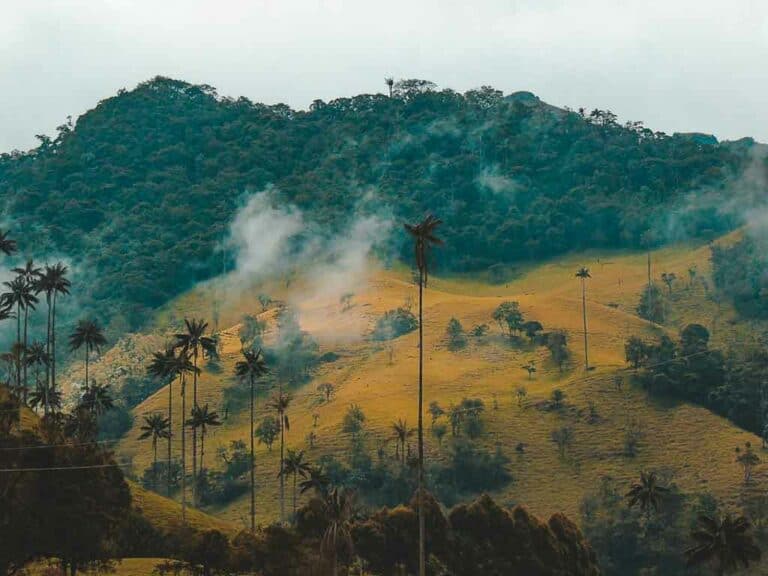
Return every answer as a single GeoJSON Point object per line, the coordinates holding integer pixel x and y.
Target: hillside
{"type": "Point", "coordinates": [138, 192]}
{"type": "Point", "coordinates": [689, 442]}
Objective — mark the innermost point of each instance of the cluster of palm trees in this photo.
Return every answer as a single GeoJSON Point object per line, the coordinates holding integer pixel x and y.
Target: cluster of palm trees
{"type": "Point", "coordinates": [177, 362]}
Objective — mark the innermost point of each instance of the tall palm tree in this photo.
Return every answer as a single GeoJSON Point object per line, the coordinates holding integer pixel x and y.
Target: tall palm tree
{"type": "Point", "coordinates": [194, 341]}
{"type": "Point", "coordinates": [164, 366]}
{"type": "Point", "coordinates": [7, 245]}
{"type": "Point", "coordinates": [316, 481]}
{"type": "Point", "coordinates": [583, 274]}
{"type": "Point", "coordinates": [89, 335]}
{"type": "Point", "coordinates": [155, 426]}
{"type": "Point", "coordinates": [402, 433]}
{"type": "Point", "coordinates": [30, 274]}
{"type": "Point", "coordinates": [252, 367]}
{"type": "Point", "coordinates": [295, 465]}
{"type": "Point", "coordinates": [724, 543]}
{"type": "Point", "coordinates": [181, 365]}
{"type": "Point", "coordinates": [423, 235]}
{"type": "Point", "coordinates": [647, 493]}
{"type": "Point", "coordinates": [280, 404]}
{"type": "Point", "coordinates": [202, 418]}
{"type": "Point", "coordinates": [339, 512]}
{"type": "Point", "coordinates": [37, 357]}
{"type": "Point", "coordinates": [21, 295]}
{"type": "Point", "coordinates": [390, 82]}
{"type": "Point", "coordinates": [53, 282]}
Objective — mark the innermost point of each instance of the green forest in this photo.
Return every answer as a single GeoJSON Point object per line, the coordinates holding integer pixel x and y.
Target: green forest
{"type": "Point", "coordinates": [157, 173]}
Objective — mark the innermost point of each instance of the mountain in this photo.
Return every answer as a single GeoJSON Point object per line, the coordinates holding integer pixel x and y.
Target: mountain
{"type": "Point", "coordinates": [139, 192]}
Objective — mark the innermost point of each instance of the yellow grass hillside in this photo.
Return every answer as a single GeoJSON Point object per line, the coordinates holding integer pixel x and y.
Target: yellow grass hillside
{"type": "Point", "coordinates": [696, 446]}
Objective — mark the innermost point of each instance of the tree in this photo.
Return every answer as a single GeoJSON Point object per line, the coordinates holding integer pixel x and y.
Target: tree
{"type": "Point", "coordinates": [508, 315]}
{"type": "Point", "coordinates": [423, 236]}
{"type": "Point", "coordinates": [439, 431]}
{"type": "Point", "coordinates": [295, 465]}
{"type": "Point", "coordinates": [563, 437]}
{"type": "Point", "coordinates": [280, 404]}
{"type": "Point", "coordinates": [88, 335]}
{"type": "Point", "coordinates": [326, 389]}
{"type": "Point", "coordinates": [250, 331]}
{"type": "Point", "coordinates": [647, 493]}
{"type": "Point", "coordinates": [316, 481]}
{"type": "Point", "coordinates": [401, 434]}
{"type": "Point", "coordinates": [98, 399]}
{"type": "Point", "coordinates": [265, 302]}
{"type": "Point", "coordinates": [530, 367]}
{"type": "Point", "coordinates": [194, 341]}
{"type": "Point", "coordinates": [267, 431]}
{"type": "Point", "coordinates": [583, 274]}
{"type": "Point", "coordinates": [346, 301]}
{"type": "Point", "coordinates": [7, 245]}
{"type": "Point", "coordinates": [30, 274]}
{"type": "Point", "coordinates": [692, 271]}
{"type": "Point", "coordinates": [354, 419]}
{"type": "Point", "coordinates": [557, 344]}
{"type": "Point", "coordinates": [747, 459]}
{"type": "Point", "coordinates": [435, 410]}
{"type": "Point", "coordinates": [53, 282]}
{"type": "Point", "coordinates": [20, 295]}
{"type": "Point", "coordinates": [557, 398]}
{"type": "Point", "coordinates": [180, 364]}
{"type": "Point", "coordinates": [725, 543]}
{"type": "Point", "coordinates": [532, 328]}
{"type": "Point", "coordinates": [155, 427]}
{"type": "Point", "coordinates": [252, 367]}
{"type": "Point", "coordinates": [338, 512]}
{"type": "Point", "coordinates": [668, 278]}
{"type": "Point", "coordinates": [457, 339]}
{"type": "Point", "coordinates": [37, 357]}
{"type": "Point", "coordinates": [390, 82]}
{"type": "Point", "coordinates": [635, 351]}
{"type": "Point", "coordinates": [202, 418]}
{"type": "Point", "coordinates": [521, 393]}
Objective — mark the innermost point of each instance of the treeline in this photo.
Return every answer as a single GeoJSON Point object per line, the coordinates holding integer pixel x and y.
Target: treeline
{"type": "Point", "coordinates": [143, 187]}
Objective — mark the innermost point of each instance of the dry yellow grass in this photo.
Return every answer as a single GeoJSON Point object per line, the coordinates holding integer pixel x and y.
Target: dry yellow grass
{"type": "Point", "coordinates": [124, 567]}
{"type": "Point", "coordinates": [688, 441]}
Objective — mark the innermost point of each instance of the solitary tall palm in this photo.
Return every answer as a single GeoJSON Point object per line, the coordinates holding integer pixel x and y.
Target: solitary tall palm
{"type": "Point", "coordinates": [583, 274]}
{"type": "Point", "coordinates": [162, 367]}
{"type": "Point", "coordinates": [89, 335]}
{"type": "Point", "coordinates": [30, 274]}
{"type": "Point", "coordinates": [252, 367]}
{"type": "Point", "coordinates": [339, 513]}
{"type": "Point", "coordinates": [295, 465]}
{"type": "Point", "coordinates": [423, 235]}
{"type": "Point", "coordinates": [280, 403]}
{"type": "Point", "coordinates": [52, 282]}
{"type": "Point", "coordinates": [20, 295]}
{"type": "Point", "coordinates": [155, 426]}
{"type": "Point", "coordinates": [202, 418]}
{"type": "Point", "coordinates": [194, 341]}
{"type": "Point", "coordinates": [724, 543]}
{"type": "Point", "coordinates": [647, 493]}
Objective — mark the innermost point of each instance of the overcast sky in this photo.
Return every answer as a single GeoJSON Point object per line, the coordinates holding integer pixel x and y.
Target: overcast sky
{"type": "Point", "coordinates": [678, 65]}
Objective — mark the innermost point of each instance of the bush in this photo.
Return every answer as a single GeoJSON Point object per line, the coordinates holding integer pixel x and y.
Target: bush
{"type": "Point", "coordinates": [394, 323]}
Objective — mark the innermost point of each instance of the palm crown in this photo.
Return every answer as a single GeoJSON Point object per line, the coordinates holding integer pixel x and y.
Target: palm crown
{"type": "Point", "coordinates": [424, 238]}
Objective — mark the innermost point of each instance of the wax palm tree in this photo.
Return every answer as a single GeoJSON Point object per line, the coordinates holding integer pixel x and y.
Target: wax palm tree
{"type": "Point", "coordinates": [295, 465]}
{"type": "Point", "coordinates": [180, 365]}
{"type": "Point", "coordinates": [339, 511]}
{"type": "Point", "coordinates": [37, 357]}
{"type": "Point", "coordinates": [42, 396]}
{"type": "Point", "coordinates": [725, 543]}
{"type": "Point", "coordinates": [88, 335]}
{"type": "Point", "coordinates": [202, 418]}
{"type": "Point", "coordinates": [317, 480]}
{"type": "Point", "coordinates": [390, 82]}
{"type": "Point", "coordinates": [280, 404]}
{"type": "Point", "coordinates": [401, 434]}
{"type": "Point", "coordinates": [583, 274]}
{"type": "Point", "coordinates": [423, 235]}
{"type": "Point", "coordinates": [194, 341]}
{"type": "Point", "coordinates": [20, 295]}
{"type": "Point", "coordinates": [163, 367]}
{"type": "Point", "coordinates": [98, 399]}
{"type": "Point", "coordinates": [647, 493]}
{"type": "Point", "coordinates": [53, 282]}
{"type": "Point", "coordinates": [13, 359]}
{"type": "Point", "coordinates": [252, 367]}
{"type": "Point", "coordinates": [30, 274]}
{"type": "Point", "coordinates": [7, 245]}
{"type": "Point", "coordinates": [155, 427]}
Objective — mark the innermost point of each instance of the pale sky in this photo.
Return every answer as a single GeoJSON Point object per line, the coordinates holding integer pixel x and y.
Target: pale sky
{"type": "Point", "coordinates": [678, 65]}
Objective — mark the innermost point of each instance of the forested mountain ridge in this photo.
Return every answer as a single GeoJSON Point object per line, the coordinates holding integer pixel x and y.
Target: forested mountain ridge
{"type": "Point", "coordinates": [143, 188]}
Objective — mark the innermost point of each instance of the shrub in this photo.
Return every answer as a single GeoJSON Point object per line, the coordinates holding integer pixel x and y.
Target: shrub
{"type": "Point", "coordinates": [394, 323]}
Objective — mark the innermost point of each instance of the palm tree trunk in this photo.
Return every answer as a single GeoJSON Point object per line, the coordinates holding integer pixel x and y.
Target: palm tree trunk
{"type": "Point", "coordinates": [294, 496]}
{"type": "Point", "coordinates": [422, 558]}
{"type": "Point", "coordinates": [202, 449]}
{"type": "Point", "coordinates": [183, 452]}
{"type": "Point", "coordinates": [53, 344]}
{"type": "Point", "coordinates": [47, 353]}
{"type": "Point", "coordinates": [86, 367]}
{"type": "Point", "coordinates": [194, 431]}
{"type": "Point", "coordinates": [650, 291]}
{"type": "Point", "coordinates": [154, 464]}
{"type": "Point", "coordinates": [584, 313]}
{"type": "Point", "coordinates": [24, 357]}
{"type": "Point", "coordinates": [170, 432]}
{"type": "Point", "coordinates": [18, 340]}
{"type": "Point", "coordinates": [253, 465]}
{"type": "Point", "coordinates": [282, 463]}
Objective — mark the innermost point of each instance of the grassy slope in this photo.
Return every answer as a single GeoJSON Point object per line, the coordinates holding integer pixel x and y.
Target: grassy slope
{"type": "Point", "coordinates": [694, 444]}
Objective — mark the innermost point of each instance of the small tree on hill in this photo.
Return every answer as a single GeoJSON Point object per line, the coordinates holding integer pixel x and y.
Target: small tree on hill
{"type": "Point", "coordinates": [509, 317]}
{"type": "Point", "coordinates": [457, 338]}
{"type": "Point", "coordinates": [747, 459]}
{"type": "Point", "coordinates": [530, 367]}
